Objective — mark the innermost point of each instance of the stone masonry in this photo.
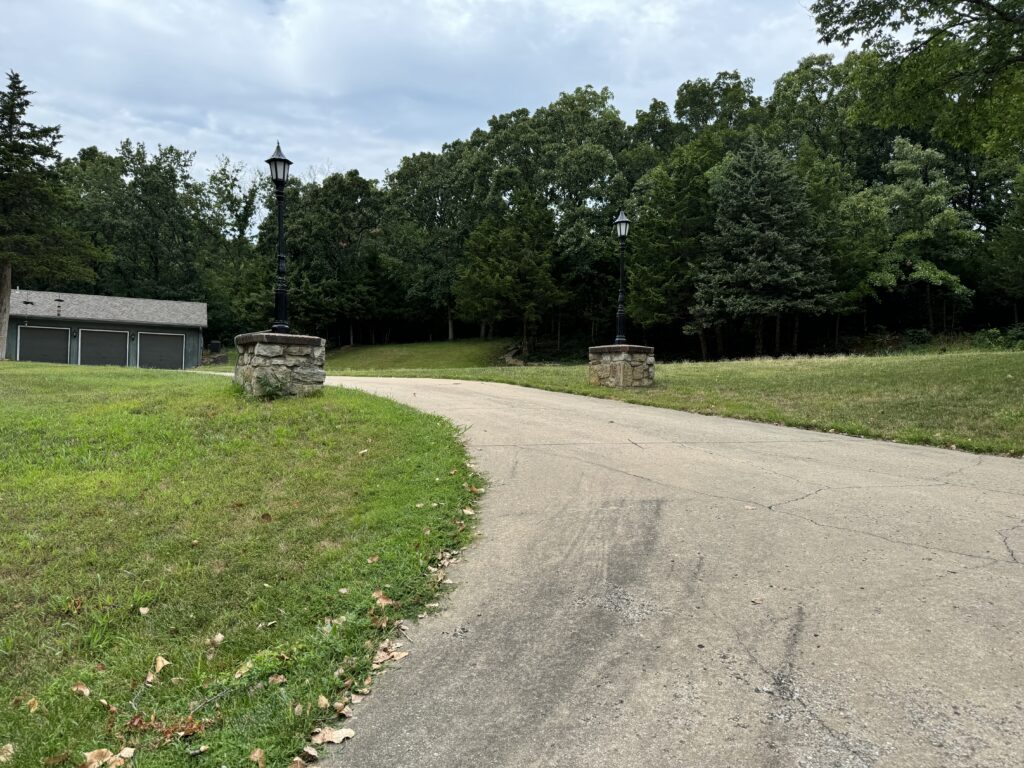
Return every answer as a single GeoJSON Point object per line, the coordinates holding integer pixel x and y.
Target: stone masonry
{"type": "Point", "coordinates": [622, 365]}
{"type": "Point", "coordinates": [279, 364]}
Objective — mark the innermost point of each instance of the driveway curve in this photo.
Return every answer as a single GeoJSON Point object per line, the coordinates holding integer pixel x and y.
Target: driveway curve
{"type": "Point", "coordinates": [658, 588]}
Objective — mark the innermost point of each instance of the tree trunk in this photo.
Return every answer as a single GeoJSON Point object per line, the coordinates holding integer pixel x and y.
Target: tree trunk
{"type": "Point", "coordinates": [5, 306]}
{"type": "Point", "coordinates": [558, 334]}
{"type": "Point", "coordinates": [526, 341]}
{"type": "Point", "coordinates": [928, 301]}
{"type": "Point", "coordinates": [451, 326]}
{"type": "Point", "coordinates": [796, 332]}
{"type": "Point", "coordinates": [838, 318]}
{"type": "Point", "coordinates": [944, 328]}
{"type": "Point", "coordinates": [483, 329]}
{"type": "Point", "coordinates": [703, 345]}
{"type": "Point", "coordinates": [1015, 315]}
{"type": "Point", "coordinates": [778, 334]}
{"type": "Point", "coordinates": [351, 334]}
{"type": "Point", "coordinates": [759, 336]}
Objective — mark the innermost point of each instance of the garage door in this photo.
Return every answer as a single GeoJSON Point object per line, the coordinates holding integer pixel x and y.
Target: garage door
{"type": "Point", "coordinates": [161, 350]}
{"type": "Point", "coordinates": [102, 347]}
{"type": "Point", "coordinates": [43, 345]}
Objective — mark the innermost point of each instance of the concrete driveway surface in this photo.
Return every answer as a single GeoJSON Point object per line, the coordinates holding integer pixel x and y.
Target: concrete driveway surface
{"type": "Point", "coordinates": [656, 588]}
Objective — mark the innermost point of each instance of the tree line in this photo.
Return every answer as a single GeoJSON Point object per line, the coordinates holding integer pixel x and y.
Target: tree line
{"type": "Point", "coordinates": [880, 191]}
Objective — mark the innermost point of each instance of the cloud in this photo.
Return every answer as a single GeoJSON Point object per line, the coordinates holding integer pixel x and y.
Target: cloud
{"type": "Point", "coordinates": [345, 84]}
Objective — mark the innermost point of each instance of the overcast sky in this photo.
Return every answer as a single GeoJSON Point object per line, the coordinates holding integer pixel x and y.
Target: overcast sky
{"type": "Point", "coordinates": [360, 83]}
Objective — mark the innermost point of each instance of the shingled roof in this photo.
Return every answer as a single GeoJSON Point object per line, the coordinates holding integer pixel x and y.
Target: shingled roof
{"type": "Point", "coordinates": [107, 309]}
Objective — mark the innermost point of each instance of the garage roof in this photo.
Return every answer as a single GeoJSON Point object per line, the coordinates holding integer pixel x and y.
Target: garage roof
{"type": "Point", "coordinates": [108, 309]}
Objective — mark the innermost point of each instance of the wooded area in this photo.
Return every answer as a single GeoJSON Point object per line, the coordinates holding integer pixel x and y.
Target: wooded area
{"type": "Point", "coordinates": [877, 193]}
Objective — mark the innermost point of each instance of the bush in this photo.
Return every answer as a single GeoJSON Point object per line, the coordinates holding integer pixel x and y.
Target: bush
{"type": "Point", "coordinates": [917, 337]}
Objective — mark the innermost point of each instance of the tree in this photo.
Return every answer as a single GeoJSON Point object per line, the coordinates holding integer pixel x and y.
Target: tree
{"type": "Point", "coordinates": [763, 261]}
{"type": "Point", "coordinates": [36, 243]}
{"type": "Point", "coordinates": [1005, 267]}
{"type": "Point", "coordinates": [906, 233]}
{"type": "Point", "coordinates": [728, 101]}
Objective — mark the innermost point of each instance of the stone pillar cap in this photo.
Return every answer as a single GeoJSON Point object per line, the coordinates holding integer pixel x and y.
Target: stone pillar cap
{"type": "Point", "coordinates": [622, 348]}
{"type": "Point", "coordinates": [267, 337]}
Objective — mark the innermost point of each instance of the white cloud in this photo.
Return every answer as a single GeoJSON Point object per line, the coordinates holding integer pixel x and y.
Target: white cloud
{"type": "Point", "coordinates": [350, 84]}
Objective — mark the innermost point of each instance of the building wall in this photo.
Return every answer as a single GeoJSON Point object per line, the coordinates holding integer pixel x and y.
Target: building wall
{"type": "Point", "coordinates": [193, 337]}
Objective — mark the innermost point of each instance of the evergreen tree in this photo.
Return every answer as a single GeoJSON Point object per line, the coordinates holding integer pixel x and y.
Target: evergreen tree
{"type": "Point", "coordinates": [763, 261]}
{"type": "Point", "coordinates": [36, 242]}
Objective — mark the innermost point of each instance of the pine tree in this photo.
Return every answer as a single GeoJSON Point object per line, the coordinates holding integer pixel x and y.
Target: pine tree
{"type": "Point", "coordinates": [763, 261]}
{"type": "Point", "coordinates": [35, 241]}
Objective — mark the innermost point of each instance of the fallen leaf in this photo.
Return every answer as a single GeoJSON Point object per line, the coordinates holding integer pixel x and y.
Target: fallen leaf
{"type": "Point", "coordinates": [144, 611]}
{"type": "Point", "coordinates": [343, 590]}
{"type": "Point", "coordinates": [332, 735]}
{"type": "Point", "coordinates": [243, 670]}
{"type": "Point", "coordinates": [277, 679]}
{"type": "Point", "coordinates": [259, 757]}
{"type": "Point", "coordinates": [419, 506]}
{"type": "Point", "coordinates": [372, 560]}
{"type": "Point", "coordinates": [757, 600]}
{"type": "Point", "coordinates": [748, 506]}
{"type": "Point", "coordinates": [356, 698]}
{"type": "Point", "coordinates": [474, 489]}
{"type": "Point", "coordinates": [297, 710]}
{"type": "Point", "coordinates": [309, 755]}
{"type": "Point", "coordinates": [342, 709]}
{"type": "Point", "coordinates": [58, 759]}
{"type": "Point", "coordinates": [323, 702]}
{"type": "Point", "coordinates": [127, 753]}
{"type": "Point", "coordinates": [81, 689]}
{"type": "Point", "coordinates": [159, 664]}
{"type": "Point", "coordinates": [150, 678]}
{"type": "Point", "coordinates": [399, 655]}
{"type": "Point", "coordinates": [216, 639]}
{"type": "Point", "coordinates": [364, 451]}
{"type": "Point", "coordinates": [468, 511]}
{"type": "Point", "coordinates": [33, 705]}
{"type": "Point", "coordinates": [6, 753]}
{"type": "Point", "coordinates": [100, 667]}
{"type": "Point", "coordinates": [453, 472]}
{"type": "Point", "coordinates": [383, 600]}
{"type": "Point", "coordinates": [199, 750]}
{"type": "Point", "coordinates": [297, 762]}
{"type": "Point", "coordinates": [96, 758]}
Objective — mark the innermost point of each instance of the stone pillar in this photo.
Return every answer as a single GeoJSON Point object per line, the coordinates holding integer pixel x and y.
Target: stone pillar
{"type": "Point", "coordinates": [279, 364]}
{"type": "Point", "coordinates": [622, 365]}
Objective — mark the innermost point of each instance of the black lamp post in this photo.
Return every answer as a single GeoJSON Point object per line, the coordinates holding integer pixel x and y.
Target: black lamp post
{"type": "Point", "coordinates": [279, 165]}
{"type": "Point", "coordinates": [621, 227]}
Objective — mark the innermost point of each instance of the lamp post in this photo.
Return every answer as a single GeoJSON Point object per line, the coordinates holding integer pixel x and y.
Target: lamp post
{"type": "Point", "coordinates": [279, 165]}
{"type": "Point", "coordinates": [621, 228]}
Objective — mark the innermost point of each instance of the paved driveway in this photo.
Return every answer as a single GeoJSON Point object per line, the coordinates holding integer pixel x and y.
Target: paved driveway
{"type": "Point", "coordinates": [655, 588]}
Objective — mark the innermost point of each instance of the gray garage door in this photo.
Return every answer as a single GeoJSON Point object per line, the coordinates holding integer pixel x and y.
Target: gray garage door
{"type": "Point", "coordinates": [43, 345]}
{"type": "Point", "coordinates": [157, 350]}
{"type": "Point", "coordinates": [103, 347]}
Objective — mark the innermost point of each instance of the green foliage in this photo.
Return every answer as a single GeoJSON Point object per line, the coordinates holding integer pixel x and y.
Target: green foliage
{"type": "Point", "coordinates": [763, 259]}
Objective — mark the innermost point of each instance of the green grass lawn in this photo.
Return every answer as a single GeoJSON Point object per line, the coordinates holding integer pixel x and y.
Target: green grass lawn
{"type": "Point", "coordinates": [147, 514]}
{"type": "Point", "coordinates": [973, 400]}
{"type": "Point", "coordinates": [463, 353]}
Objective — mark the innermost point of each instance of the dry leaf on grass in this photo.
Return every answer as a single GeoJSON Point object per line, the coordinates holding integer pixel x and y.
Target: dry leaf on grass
{"type": "Point", "coordinates": [323, 702]}
{"type": "Point", "coordinates": [6, 753]}
{"type": "Point", "coordinates": [97, 758]}
{"type": "Point", "coordinates": [259, 757]}
{"type": "Point", "coordinates": [332, 735]}
{"type": "Point", "coordinates": [144, 611]}
{"type": "Point", "coordinates": [33, 705]}
{"type": "Point", "coordinates": [277, 679]}
{"type": "Point", "coordinates": [127, 753]}
{"type": "Point", "coordinates": [373, 559]}
{"type": "Point", "coordinates": [216, 640]}
{"type": "Point", "coordinates": [81, 689]}
{"type": "Point", "coordinates": [199, 750]}
{"type": "Point", "coordinates": [343, 590]}
{"type": "Point", "coordinates": [297, 710]}
{"type": "Point", "coordinates": [297, 762]}
{"type": "Point", "coordinates": [382, 599]}
{"type": "Point", "coordinates": [160, 663]}
{"type": "Point", "coordinates": [243, 670]}
{"type": "Point", "coordinates": [309, 755]}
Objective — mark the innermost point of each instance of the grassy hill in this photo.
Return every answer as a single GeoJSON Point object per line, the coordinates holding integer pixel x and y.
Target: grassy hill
{"type": "Point", "coordinates": [462, 353]}
{"type": "Point", "coordinates": [263, 549]}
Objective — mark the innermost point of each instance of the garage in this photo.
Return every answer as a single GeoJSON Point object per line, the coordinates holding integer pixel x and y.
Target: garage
{"type": "Point", "coordinates": [98, 347]}
{"type": "Point", "coordinates": [39, 344]}
{"type": "Point", "coordinates": [81, 329]}
{"type": "Point", "coordinates": [162, 350]}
